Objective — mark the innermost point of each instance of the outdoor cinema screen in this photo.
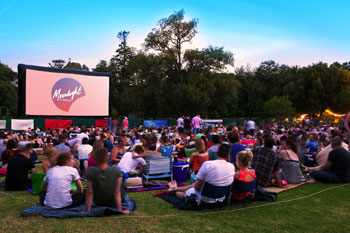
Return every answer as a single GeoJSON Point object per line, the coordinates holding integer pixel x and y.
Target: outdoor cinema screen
{"type": "Point", "coordinates": [61, 92]}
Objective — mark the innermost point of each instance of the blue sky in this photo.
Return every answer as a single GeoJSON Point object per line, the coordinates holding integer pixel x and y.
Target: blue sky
{"type": "Point", "coordinates": [291, 32]}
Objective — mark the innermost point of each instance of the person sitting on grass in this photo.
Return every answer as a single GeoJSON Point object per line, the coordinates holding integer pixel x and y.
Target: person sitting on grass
{"type": "Point", "coordinates": [149, 143]}
{"type": "Point", "coordinates": [266, 164]}
{"type": "Point", "coordinates": [11, 150]}
{"type": "Point", "coordinates": [244, 174]}
{"type": "Point", "coordinates": [218, 172]}
{"type": "Point", "coordinates": [200, 154]}
{"type": "Point", "coordinates": [17, 169]}
{"type": "Point", "coordinates": [104, 183]}
{"type": "Point", "coordinates": [128, 163]}
{"type": "Point", "coordinates": [92, 160]}
{"type": "Point", "coordinates": [84, 149]}
{"type": "Point", "coordinates": [337, 167]}
{"type": "Point", "coordinates": [51, 158]}
{"type": "Point", "coordinates": [56, 190]}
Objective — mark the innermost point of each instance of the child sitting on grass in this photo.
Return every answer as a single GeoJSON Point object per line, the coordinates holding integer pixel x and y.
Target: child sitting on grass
{"type": "Point", "coordinates": [244, 175]}
{"type": "Point", "coordinates": [104, 183]}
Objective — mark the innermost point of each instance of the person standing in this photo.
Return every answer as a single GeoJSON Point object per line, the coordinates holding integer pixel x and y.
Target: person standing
{"type": "Point", "coordinates": [125, 124]}
{"type": "Point", "coordinates": [180, 124]}
{"type": "Point", "coordinates": [187, 123]}
{"type": "Point", "coordinates": [250, 126]}
{"type": "Point", "coordinates": [196, 122]}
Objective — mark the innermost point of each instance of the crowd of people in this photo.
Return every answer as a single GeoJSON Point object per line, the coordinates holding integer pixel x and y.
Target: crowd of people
{"type": "Point", "coordinates": [219, 156]}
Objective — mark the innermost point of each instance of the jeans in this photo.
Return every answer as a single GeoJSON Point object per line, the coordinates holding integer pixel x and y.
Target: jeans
{"type": "Point", "coordinates": [195, 130]}
{"type": "Point", "coordinates": [325, 176]}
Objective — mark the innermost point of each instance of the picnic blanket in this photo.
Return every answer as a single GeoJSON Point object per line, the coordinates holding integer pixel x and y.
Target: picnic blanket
{"type": "Point", "coordinates": [287, 187]}
{"type": "Point", "coordinates": [180, 204]}
{"type": "Point", "coordinates": [96, 211]}
{"type": "Point", "coordinates": [140, 189]}
{"type": "Point", "coordinates": [260, 195]}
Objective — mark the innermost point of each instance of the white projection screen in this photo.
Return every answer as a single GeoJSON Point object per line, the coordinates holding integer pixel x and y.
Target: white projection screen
{"type": "Point", "coordinates": [61, 92]}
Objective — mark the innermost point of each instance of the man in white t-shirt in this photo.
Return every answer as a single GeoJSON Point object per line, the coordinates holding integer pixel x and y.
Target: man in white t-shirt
{"type": "Point", "coordinates": [180, 124]}
{"type": "Point", "coordinates": [128, 163]}
{"type": "Point", "coordinates": [250, 126]}
{"type": "Point", "coordinates": [218, 172]}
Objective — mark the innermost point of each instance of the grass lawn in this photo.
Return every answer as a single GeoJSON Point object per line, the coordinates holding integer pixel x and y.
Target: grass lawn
{"type": "Point", "coordinates": [327, 211]}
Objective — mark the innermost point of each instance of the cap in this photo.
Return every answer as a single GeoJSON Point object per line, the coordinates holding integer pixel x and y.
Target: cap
{"type": "Point", "coordinates": [23, 145]}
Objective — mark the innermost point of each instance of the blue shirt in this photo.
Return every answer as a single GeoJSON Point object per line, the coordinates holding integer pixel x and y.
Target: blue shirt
{"type": "Point", "coordinates": [235, 148]}
{"type": "Point", "coordinates": [313, 147]}
{"type": "Point", "coordinates": [62, 148]}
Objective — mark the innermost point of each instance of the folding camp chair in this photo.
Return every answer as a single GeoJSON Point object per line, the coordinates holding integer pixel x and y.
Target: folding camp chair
{"type": "Point", "coordinates": [158, 168]}
{"type": "Point", "coordinates": [214, 192]}
{"type": "Point", "coordinates": [197, 163]}
{"type": "Point", "coordinates": [166, 151]}
{"type": "Point", "coordinates": [189, 152]}
{"type": "Point", "coordinates": [243, 187]}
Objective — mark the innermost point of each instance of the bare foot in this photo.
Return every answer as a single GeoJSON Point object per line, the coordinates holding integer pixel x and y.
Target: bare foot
{"type": "Point", "coordinates": [172, 185]}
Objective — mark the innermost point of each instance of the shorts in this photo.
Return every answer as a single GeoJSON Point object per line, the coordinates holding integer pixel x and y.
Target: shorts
{"type": "Point", "coordinates": [191, 191]}
{"type": "Point", "coordinates": [181, 130]}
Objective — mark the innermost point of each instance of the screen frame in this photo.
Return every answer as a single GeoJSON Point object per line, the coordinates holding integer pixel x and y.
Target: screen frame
{"type": "Point", "coordinates": [21, 77]}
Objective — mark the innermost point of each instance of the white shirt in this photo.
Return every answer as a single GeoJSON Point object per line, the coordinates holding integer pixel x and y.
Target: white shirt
{"type": "Point", "coordinates": [217, 172]}
{"type": "Point", "coordinates": [180, 122]}
{"type": "Point", "coordinates": [250, 125]}
{"type": "Point", "coordinates": [60, 179]}
{"type": "Point", "coordinates": [84, 151]}
{"type": "Point", "coordinates": [127, 163]}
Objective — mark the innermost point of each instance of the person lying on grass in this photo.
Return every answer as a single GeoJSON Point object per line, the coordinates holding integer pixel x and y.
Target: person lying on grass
{"type": "Point", "coordinates": [218, 172]}
{"type": "Point", "coordinates": [56, 190]}
{"type": "Point", "coordinates": [104, 183]}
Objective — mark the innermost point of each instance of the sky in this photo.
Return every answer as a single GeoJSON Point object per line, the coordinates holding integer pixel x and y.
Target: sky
{"type": "Point", "coordinates": [294, 32]}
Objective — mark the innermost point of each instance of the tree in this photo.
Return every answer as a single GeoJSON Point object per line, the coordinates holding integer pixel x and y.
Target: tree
{"type": "Point", "coordinates": [279, 107]}
{"type": "Point", "coordinates": [57, 63]}
{"type": "Point", "coordinates": [76, 66]}
{"type": "Point", "coordinates": [8, 97]}
{"type": "Point", "coordinates": [8, 89]}
{"type": "Point", "coordinates": [7, 74]}
{"type": "Point", "coordinates": [169, 37]}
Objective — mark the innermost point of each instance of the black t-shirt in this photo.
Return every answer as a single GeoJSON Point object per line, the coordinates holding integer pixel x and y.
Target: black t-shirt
{"type": "Point", "coordinates": [340, 159]}
{"type": "Point", "coordinates": [17, 173]}
{"type": "Point", "coordinates": [187, 123]}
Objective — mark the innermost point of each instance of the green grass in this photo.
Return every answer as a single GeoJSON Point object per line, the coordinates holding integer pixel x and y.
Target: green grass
{"type": "Point", "coordinates": [325, 212]}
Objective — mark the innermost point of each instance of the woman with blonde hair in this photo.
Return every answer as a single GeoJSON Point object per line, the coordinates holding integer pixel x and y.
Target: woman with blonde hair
{"type": "Point", "coordinates": [200, 156]}
{"type": "Point", "coordinates": [243, 176]}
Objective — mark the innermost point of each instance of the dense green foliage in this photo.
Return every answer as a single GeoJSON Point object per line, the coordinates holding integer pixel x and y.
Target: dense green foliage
{"type": "Point", "coordinates": [165, 80]}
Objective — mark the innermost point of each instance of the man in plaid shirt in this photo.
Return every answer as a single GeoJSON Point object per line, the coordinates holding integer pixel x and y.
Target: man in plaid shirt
{"type": "Point", "coordinates": [266, 164]}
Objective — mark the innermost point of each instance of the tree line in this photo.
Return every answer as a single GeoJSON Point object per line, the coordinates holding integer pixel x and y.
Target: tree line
{"type": "Point", "coordinates": [164, 80]}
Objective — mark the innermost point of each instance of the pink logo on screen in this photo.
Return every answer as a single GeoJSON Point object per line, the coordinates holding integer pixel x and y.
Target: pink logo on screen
{"type": "Point", "coordinates": [65, 92]}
